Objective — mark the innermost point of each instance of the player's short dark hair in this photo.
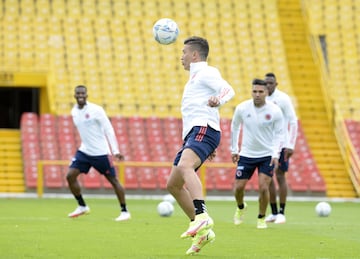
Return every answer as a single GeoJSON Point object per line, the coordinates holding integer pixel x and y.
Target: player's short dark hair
{"type": "Point", "coordinates": [199, 44]}
{"type": "Point", "coordinates": [270, 75]}
{"type": "Point", "coordinates": [81, 86]}
{"type": "Point", "coordinates": [257, 81]}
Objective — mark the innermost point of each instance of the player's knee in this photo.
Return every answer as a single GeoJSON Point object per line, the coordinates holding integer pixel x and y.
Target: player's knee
{"type": "Point", "coordinates": [240, 185]}
{"type": "Point", "coordinates": [171, 188]}
{"type": "Point", "coordinates": [71, 175]}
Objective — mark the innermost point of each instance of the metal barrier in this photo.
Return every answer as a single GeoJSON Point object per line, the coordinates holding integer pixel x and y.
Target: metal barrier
{"type": "Point", "coordinates": [121, 169]}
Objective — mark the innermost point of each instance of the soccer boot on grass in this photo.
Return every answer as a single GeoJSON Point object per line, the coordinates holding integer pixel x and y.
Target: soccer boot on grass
{"type": "Point", "coordinates": [124, 215]}
{"type": "Point", "coordinates": [203, 238]}
{"type": "Point", "coordinates": [261, 223]}
{"type": "Point", "coordinates": [280, 219]}
{"type": "Point", "coordinates": [80, 210]}
{"type": "Point", "coordinates": [202, 222]}
{"type": "Point", "coordinates": [239, 215]}
{"type": "Point", "coordinates": [270, 218]}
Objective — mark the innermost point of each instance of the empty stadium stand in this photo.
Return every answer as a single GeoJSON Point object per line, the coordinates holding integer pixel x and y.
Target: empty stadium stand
{"type": "Point", "coordinates": [108, 46]}
{"type": "Point", "coordinates": [145, 140]}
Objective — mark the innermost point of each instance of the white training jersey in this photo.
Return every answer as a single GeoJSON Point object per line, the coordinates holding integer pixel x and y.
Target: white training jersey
{"type": "Point", "coordinates": [262, 130]}
{"type": "Point", "coordinates": [95, 130]}
{"type": "Point", "coordinates": [283, 100]}
{"type": "Point", "coordinates": [205, 81]}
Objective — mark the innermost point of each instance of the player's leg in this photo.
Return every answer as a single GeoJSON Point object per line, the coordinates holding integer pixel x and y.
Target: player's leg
{"type": "Point", "coordinates": [120, 194]}
{"type": "Point", "coordinates": [283, 187]}
{"type": "Point", "coordinates": [73, 183]}
{"type": "Point", "coordinates": [244, 171]}
{"type": "Point", "coordinates": [264, 179]}
{"type": "Point", "coordinates": [274, 211]}
{"type": "Point", "coordinates": [281, 179]}
{"type": "Point", "coordinates": [78, 166]}
{"type": "Point", "coordinates": [104, 165]}
{"type": "Point", "coordinates": [175, 186]}
{"type": "Point", "coordinates": [200, 144]}
{"type": "Point", "coordinates": [239, 193]}
{"type": "Point", "coordinates": [264, 182]}
{"type": "Point", "coordinates": [188, 162]}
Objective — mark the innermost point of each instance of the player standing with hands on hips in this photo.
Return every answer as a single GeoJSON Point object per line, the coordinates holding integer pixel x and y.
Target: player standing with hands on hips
{"type": "Point", "coordinates": [262, 135]}
{"type": "Point", "coordinates": [97, 134]}
{"type": "Point", "coordinates": [282, 100]}
{"type": "Point", "coordinates": [204, 93]}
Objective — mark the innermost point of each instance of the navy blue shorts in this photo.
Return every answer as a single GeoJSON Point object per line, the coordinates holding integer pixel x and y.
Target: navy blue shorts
{"type": "Point", "coordinates": [102, 164]}
{"type": "Point", "coordinates": [246, 167]}
{"type": "Point", "coordinates": [283, 164]}
{"type": "Point", "coordinates": [202, 140]}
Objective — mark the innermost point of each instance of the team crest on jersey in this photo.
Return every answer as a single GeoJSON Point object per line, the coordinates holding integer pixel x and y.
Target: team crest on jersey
{"type": "Point", "coordinates": [87, 116]}
{"type": "Point", "coordinates": [268, 117]}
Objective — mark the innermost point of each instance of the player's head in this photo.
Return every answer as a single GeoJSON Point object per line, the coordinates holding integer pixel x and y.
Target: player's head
{"type": "Point", "coordinates": [271, 82]}
{"type": "Point", "coordinates": [195, 49]}
{"type": "Point", "coordinates": [80, 95]}
{"type": "Point", "coordinates": [259, 92]}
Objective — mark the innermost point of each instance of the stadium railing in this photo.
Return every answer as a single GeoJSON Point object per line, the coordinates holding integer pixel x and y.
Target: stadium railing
{"type": "Point", "coordinates": [121, 170]}
{"type": "Point", "coordinates": [348, 151]}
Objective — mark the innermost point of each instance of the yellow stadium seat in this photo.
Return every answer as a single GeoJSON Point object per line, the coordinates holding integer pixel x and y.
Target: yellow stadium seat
{"type": "Point", "coordinates": [104, 9]}
{"type": "Point", "coordinates": [89, 8]}
{"type": "Point", "coordinates": [128, 110]}
{"type": "Point", "coordinates": [73, 9]}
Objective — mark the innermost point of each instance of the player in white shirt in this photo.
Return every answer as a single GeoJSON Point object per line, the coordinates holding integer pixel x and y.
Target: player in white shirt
{"type": "Point", "coordinates": [97, 135]}
{"type": "Point", "coordinates": [204, 93]}
{"type": "Point", "coordinates": [262, 135]}
{"type": "Point", "coordinates": [290, 133]}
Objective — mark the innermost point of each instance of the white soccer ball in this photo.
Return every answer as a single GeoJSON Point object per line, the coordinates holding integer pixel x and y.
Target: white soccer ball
{"type": "Point", "coordinates": [165, 31]}
{"type": "Point", "coordinates": [165, 209]}
{"type": "Point", "coordinates": [169, 198]}
{"type": "Point", "coordinates": [323, 209]}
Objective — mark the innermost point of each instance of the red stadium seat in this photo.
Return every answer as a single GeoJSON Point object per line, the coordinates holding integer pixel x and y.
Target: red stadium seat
{"type": "Point", "coordinates": [147, 178]}
{"type": "Point", "coordinates": [53, 176]}
{"type": "Point", "coordinates": [162, 175]}
{"type": "Point", "coordinates": [92, 180]}
{"type": "Point", "coordinates": [131, 179]}
{"type": "Point", "coordinates": [29, 128]}
{"type": "Point", "coordinates": [30, 176]}
{"type": "Point", "coordinates": [210, 178]}
{"type": "Point", "coordinates": [224, 179]}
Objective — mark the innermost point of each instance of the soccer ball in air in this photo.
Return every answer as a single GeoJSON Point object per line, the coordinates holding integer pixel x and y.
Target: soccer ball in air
{"type": "Point", "coordinates": [323, 209]}
{"type": "Point", "coordinates": [165, 31]}
{"type": "Point", "coordinates": [165, 209]}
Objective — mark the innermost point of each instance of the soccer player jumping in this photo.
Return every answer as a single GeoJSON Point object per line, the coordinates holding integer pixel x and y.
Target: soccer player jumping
{"type": "Point", "coordinates": [204, 93]}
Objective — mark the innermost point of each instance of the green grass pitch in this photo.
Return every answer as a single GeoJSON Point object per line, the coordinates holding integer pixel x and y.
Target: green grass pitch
{"type": "Point", "coordinates": [39, 228]}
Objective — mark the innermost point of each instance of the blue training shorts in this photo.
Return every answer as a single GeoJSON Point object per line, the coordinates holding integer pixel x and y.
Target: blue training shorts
{"type": "Point", "coordinates": [246, 167]}
{"type": "Point", "coordinates": [102, 164]}
{"type": "Point", "coordinates": [202, 140]}
{"type": "Point", "coordinates": [283, 164]}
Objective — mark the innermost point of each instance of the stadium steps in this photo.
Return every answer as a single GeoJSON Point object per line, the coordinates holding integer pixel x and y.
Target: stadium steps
{"type": "Point", "coordinates": [11, 166]}
{"type": "Point", "coordinates": [311, 108]}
